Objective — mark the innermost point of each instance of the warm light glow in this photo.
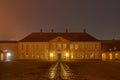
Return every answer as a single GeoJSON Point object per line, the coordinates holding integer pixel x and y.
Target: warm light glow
{"type": "Point", "coordinates": [116, 55]}
{"type": "Point", "coordinates": [5, 51]}
{"type": "Point", "coordinates": [8, 54]}
{"type": "Point", "coordinates": [110, 55]}
{"type": "Point", "coordinates": [2, 56]}
{"type": "Point", "coordinates": [67, 54]}
{"type": "Point", "coordinates": [72, 57]}
{"type": "Point", "coordinates": [103, 56]}
{"type": "Point", "coordinates": [51, 55]}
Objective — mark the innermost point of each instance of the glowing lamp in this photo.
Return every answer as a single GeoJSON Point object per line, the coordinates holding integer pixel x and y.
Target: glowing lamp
{"type": "Point", "coordinates": [8, 54]}
{"type": "Point", "coordinates": [51, 54]}
{"type": "Point", "coordinates": [72, 57]}
{"type": "Point", "coordinates": [67, 54]}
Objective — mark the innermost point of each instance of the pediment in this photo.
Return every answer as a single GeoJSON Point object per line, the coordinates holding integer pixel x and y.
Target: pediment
{"type": "Point", "coordinates": [59, 39]}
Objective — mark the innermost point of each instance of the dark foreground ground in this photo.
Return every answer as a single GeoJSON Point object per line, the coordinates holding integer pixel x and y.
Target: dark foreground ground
{"type": "Point", "coordinates": [25, 70]}
{"type": "Point", "coordinates": [95, 70]}
{"type": "Point", "coordinates": [80, 70]}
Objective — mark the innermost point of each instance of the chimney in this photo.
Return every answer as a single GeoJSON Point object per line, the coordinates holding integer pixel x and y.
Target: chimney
{"type": "Point", "coordinates": [40, 30]}
{"type": "Point", "coordinates": [66, 30]}
{"type": "Point", "coordinates": [52, 30]}
{"type": "Point", "coordinates": [84, 30]}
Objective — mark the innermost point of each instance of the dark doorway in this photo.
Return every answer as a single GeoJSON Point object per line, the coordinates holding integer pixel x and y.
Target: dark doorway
{"type": "Point", "coordinates": [59, 56]}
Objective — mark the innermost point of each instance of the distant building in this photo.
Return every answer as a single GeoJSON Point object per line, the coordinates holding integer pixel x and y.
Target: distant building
{"type": "Point", "coordinates": [8, 50]}
{"type": "Point", "coordinates": [58, 46]}
{"type": "Point", "coordinates": [110, 49]}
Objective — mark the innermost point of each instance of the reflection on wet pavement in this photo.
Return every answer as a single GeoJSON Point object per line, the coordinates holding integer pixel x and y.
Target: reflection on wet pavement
{"type": "Point", "coordinates": [53, 71]}
{"type": "Point", "coordinates": [59, 71]}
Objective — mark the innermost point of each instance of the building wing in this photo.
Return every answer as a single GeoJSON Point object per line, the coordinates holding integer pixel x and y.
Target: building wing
{"type": "Point", "coordinates": [110, 45]}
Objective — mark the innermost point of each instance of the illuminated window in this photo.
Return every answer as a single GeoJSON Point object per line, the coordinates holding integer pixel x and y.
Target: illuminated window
{"type": "Point", "coordinates": [59, 46]}
{"type": "Point", "coordinates": [51, 56]}
{"type": "Point", "coordinates": [103, 56]}
{"type": "Point", "coordinates": [116, 55]}
{"type": "Point", "coordinates": [8, 56]}
{"type": "Point", "coordinates": [64, 46]}
{"type": "Point", "coordinates": [110, 56]}
{"type": "Point", "coordinates": [76, 46]}
{"type": "Point", "coordinates": [71, 46]}
{"type": "Point", "coordinates": [92, 55]}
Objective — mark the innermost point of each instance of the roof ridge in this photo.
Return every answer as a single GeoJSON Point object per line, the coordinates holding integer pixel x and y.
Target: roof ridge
{"type": "Point", "coordinates": [47, 36]}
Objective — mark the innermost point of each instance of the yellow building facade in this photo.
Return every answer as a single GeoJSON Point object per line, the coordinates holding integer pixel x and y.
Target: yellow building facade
{"type": "Point", "coordinates": [56, 46]}
{"type": "Point", "coordinates": [59, 49]}
{"type": "Point", "coordinates": [110, 49]}
{"type": "Point", "coordinates": [53, 46]}
{"type": "Point", "coordinates": [8, 50]}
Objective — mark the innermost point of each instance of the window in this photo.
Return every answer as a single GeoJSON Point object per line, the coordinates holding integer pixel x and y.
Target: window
{"type": "Point", "coordinates": [59, 46]}
{"type": "Point", "coordinates": [71, 46]}
{"type": "Point", "coordinates": [76, 46]}
{"type": "Point", "coordinates": [22, 46]}
{"type": "Point", "coordinates": [32, 46]}
{"type": "Point", "coordinates": [97, 46]}
{"type": "Point", "coordinates": [37, 46]}
{"type": "Point", "coordinates": [42, 47]}
{"type": "Point", "coordinates": [27, 46]}
{"type": "Point", "coordinates": [97, 55]}
{"type": "Point", "coordinates": [92, 56]}
{"type": "Point", "coordinates": [53, 45]}
{"type": "Point", "coordinates": [81, 47]}
{"type": "Point", "coordinates": [110, 56]}
{"type": "Point", "coordinates": [92, 46]}
{"type": "Point", "coordinates": [47, 46]}
{"type": "Point", "coordinates": [64, 46]}
{"type": "Point", "coordinates": [116, 55]}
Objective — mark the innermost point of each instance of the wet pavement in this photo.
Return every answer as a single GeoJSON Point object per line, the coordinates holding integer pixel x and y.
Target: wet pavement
{"type": "Point", "coordinates": [50, 70]}
{"type": "Point", "coordinates": [61, 71]}
{"type": "Point", "coordinates": [85, 70]}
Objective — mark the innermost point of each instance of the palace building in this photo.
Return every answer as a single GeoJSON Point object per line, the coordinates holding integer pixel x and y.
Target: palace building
{"type": "Point", "coordinates": [59, 46]}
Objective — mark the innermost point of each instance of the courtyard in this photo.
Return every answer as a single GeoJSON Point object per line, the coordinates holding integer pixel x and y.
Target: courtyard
{"type": "Point", "coordinates": [69, 70]}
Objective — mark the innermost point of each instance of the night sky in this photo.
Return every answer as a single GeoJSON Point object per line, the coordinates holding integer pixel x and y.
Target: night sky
{"type": "Point", "coordinates": [18, 18]}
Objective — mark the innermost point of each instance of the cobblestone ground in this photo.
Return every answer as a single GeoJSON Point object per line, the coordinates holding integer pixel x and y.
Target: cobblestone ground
{"type": "Point", "coordinates": [48, 70]}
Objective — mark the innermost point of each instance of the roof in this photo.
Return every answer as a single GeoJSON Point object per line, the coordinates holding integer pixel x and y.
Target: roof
{"type": "Point", "coordinates": [8, 41]}
{"type": "Point", "coordinates": [47, 36]}
{"type": "Point", "coordinates": [114, 45]}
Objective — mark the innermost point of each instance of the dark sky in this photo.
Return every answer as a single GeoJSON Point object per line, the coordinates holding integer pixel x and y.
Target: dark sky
{"type": "Point", "coordinates": [18, 18]}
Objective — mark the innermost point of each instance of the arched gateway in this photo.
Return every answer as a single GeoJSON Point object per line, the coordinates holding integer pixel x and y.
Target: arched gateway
{"type": "Point", "coordinates": [5, 55]}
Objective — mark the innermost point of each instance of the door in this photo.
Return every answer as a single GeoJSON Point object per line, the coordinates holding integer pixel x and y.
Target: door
{"type": "Point", "coordinates": [59, 56]}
